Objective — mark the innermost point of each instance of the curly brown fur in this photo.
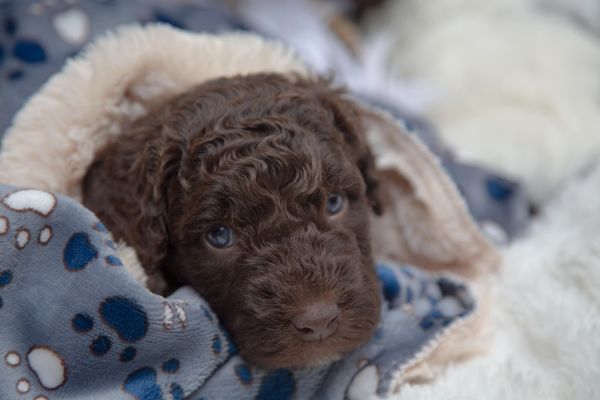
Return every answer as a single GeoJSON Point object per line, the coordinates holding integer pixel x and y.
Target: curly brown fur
{"type": "Point", "coordinates": [260, 154]}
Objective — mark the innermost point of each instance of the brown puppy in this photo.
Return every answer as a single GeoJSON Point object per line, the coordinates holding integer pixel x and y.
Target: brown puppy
{"type": "Point", "coordinates": [256, 191]}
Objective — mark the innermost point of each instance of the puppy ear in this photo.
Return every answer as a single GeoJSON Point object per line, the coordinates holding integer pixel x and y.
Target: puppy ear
{"type": "Point", "coordinates": [347, 119]}
{"type": "Point", "coordinates": [426, 222]}
{"type": "Point", "coordinates": [134, 194]}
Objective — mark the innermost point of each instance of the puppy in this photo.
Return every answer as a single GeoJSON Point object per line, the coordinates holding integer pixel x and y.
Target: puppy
{"type": "Point", "coordinates": [256, 191]}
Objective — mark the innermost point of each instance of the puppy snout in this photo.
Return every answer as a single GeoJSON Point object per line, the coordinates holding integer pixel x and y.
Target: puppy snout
{"type": "Point", "coordinates": [317, 320]}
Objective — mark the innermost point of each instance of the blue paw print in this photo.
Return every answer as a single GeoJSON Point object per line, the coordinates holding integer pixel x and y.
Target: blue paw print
{"type": "Point", "coordinates": [244, 374]}
{"type": "Point", "coordinates": [160, 16]}
{"type": "Point", "coordinates": [128, 354]}
{"type": "Point", "coordinates": [142, 383]}
{"type": "Point", "coordinates": [124, 316]}
{"type": "Point", "coordinates": [113, 261]}
{"type": "Point", "coordinates": [454, 302]}
{"type": "Point", "coordinates": [29, 51]}
{"type": "Point", "coordinates": [389, 282]}
{"type": "Point", "coordinates": [232, 348]}
{"type": "Point", "coordinates": [5, 278]}
{"type": "Point", "coordinates": [82, 322]}
{"type": "Point", "coordinates": [22, 50]}
{"type": "Point", "coordinates": [498, 188]}
{"type": "Point", "coordinates": [100, 227]}
{"type": "Point", "coordinates": [79, 252]}
{"type": "Point", "coordinates": [110, 260]}
{"type": "Point", "coordinates": [216, 344]}
{"type": "Point", "coordinates": [278, 384]}
{"type": "Point", "coordinates": [176, 392]}
{"type": "Point", "coordinates": [100, 345]}
{"type": "Point", "coordinates": [171, 366]}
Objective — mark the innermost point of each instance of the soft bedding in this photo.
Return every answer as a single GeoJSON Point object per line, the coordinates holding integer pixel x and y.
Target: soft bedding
{"type": "Point", "coordinates": [93, 326]}
{"type": "Point", "coordinates": [75, 324]}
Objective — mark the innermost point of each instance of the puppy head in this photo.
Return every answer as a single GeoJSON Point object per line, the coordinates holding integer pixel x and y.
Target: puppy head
{"type": "Point", "coordinates": [257, 192]}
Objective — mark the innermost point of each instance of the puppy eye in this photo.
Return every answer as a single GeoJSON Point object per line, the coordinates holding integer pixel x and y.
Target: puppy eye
{"type": "Point", "coordinates": [335, 203]}
{"type": "Point", "coordinates": [219, 236]}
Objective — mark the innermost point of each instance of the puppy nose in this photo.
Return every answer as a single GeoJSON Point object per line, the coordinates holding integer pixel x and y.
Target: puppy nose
{"type": "Point", "coordinates": [317, 320]}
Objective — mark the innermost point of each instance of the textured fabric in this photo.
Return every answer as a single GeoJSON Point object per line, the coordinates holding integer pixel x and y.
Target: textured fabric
{"type": "Point", "coordinates": [76, 325]}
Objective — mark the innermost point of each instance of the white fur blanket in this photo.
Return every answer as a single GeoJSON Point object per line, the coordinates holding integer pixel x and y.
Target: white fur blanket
{"type": "Point", "coordinates": [517, 81]}
{"type": "Point", "coordinates": [545, 342]}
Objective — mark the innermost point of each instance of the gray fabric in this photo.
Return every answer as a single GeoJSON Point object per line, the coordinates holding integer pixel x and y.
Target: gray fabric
{"type": "Point", "coordinates": [74, 324]}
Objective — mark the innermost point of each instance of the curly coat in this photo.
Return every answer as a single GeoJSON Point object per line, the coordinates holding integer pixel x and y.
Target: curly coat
{"type": "Point", "coordinates": [259, 153]}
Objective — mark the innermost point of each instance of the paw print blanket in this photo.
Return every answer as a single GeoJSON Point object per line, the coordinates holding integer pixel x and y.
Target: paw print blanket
{"type": "Point", "coordinates": [74, 324]}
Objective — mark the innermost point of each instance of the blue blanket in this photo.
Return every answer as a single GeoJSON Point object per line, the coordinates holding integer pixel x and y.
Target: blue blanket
{"type": "Point", "coordinates": [74, 324]}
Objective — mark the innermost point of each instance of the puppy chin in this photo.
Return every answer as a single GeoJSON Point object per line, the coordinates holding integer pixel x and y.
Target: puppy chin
{"type": "Point", "coordinates": [297, 354]}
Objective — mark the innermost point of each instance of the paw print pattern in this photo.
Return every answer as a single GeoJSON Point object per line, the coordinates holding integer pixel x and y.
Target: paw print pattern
{"type": "Point", "coordinates": [46, 364]}
{"type": "Point", "coordinates": [171, 366]}
{"type": "Point", "coordinates": [12, 359]}
{"type": "Point", "coordinates": [31, 200]}
{"type": "Point", "coordinates": [45, 235]}
{"type": "Point", "coordinates": [22, 238]}
{"type": "Point", "coordinates": [142, 384]}
{"type": "Point", "coordinates": [433, 301]}
{"type": "Point", "coordinates": [4, 225]}
{"type": "Point", "coordinates": [244, 374]}
{"type": "Point", "coordinates": [82, 322]}
{"type": "Point", "coordinates": [389, 283]}
{"type": "Point", "coordinates": [28, 201]}
{"type": "Point", "coordinates": [71, 24]}
{"type": "Point", "coordinates": [6, 277]}
{"type": "Point", "coordinates": [127, 354]}
{"type": "Point", "coordinates": [99, 226]}
{"type": "Point", "coordinates": [23, 386]}
{"type": "Point", "coordinates": [173, 313]}
{"type": "Point", "coordinates": [110, 260]}
{"type": "Point", "coordinates": [216, 345]}
{"type": "Point", "coordinates": [79, 252]}
{"type": "Point", "coordinates": [124, 316]}
{"type": "Point", "coordinates": [453, 302]}
{"type": "Point", "coordinates": [113, 261]}
{"type": "Point", "coordinates": [22, 50]}
{"type": "Point", "coordinates": [277, 384]}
